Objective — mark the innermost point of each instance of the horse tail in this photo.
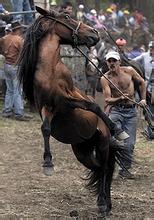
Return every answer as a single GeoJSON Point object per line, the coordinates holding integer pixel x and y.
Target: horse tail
{"type": "Point", "coordinates": [103, 164]}
{"type": "Point", "coordinates": [94, 155]}
{"type": "Point", "coordinates": [94, 180]}
{"type": "Point", "coordinates": [96, 175]}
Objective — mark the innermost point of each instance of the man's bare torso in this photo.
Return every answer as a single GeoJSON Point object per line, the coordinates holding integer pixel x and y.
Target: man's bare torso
{"type": "Point", "coordinates": [123, 80]}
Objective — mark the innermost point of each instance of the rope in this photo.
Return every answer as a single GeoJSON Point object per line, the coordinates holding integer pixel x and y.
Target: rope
{"type": "Point", "coordinates": [107, 78]}
{"type": "Point", "coordinates": [133, 101]}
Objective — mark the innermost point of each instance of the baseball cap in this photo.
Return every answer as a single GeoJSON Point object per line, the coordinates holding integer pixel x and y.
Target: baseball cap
{"type": "Point", "coordinates": [151, 44]}
{"type": "Point", "coordinates": [53, 2]}
{"type": "Point", "coordinates": [93, 11]}
{"type": "Point", "coordinates": [112, 54]}
{"type": "Point", "coordinates": [81, 6]}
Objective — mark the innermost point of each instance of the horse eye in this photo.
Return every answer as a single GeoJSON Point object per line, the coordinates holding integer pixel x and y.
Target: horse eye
{"type": "Point", "coordinates": [67, 17]}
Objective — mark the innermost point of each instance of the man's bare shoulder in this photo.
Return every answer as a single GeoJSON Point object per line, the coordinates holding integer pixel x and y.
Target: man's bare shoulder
{"type": "Point", "coordinates": [104, 79]}
{"type": "Point", "coordinates": [106, 75]}
{"type": "Point", "coordinates": [127, 69]}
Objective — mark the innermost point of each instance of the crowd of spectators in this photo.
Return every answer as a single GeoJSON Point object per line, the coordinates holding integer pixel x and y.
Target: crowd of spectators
{"type": "Point", "coordinates": [113, 18]}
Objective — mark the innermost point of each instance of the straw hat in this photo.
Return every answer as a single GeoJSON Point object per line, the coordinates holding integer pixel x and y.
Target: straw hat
{"type": "Point", "coordinates": [126, 12]}
{"type": "Point", "coordinates": [109, 10]}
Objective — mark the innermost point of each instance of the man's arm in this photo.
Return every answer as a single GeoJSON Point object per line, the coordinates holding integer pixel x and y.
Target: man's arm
{"type": "Point", "coordinates": [139, 58]}
{"type": "Point", "coordinates": [107, 93]}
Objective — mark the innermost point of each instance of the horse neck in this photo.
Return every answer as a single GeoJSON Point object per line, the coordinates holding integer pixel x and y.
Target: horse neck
{"type": "Point", "coordinates": [50, 50]}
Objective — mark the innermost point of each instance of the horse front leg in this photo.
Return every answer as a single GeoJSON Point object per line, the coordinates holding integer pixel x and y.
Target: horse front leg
{"type": "Point", "coordinates": [46, 131]}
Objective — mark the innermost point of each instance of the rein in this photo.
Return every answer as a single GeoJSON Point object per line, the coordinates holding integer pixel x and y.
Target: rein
{"type": "Point", "coordinates": [106, 77]}
{"type": "Point", "coordinates": [133, 101]}
{"type": "Point", "coordinates": [75, 39]}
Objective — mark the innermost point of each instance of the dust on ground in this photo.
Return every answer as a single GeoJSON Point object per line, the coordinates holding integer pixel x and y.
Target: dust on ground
{"type": "Point", "coordinates": [27, 194]}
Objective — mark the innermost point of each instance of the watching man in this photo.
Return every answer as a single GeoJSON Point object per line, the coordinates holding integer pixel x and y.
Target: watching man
{"type": "Point", "coordinates": [10, 47]}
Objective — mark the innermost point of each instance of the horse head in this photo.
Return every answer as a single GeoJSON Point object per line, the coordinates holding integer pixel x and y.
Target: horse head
{"type": "Point", "coordinates": [69, 30]}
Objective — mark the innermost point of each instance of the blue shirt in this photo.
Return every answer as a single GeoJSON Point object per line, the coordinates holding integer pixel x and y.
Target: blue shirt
{"type": "Point", "coordinates": [133, 54]}
{"type": "Point", "coordinates": [2, 9]}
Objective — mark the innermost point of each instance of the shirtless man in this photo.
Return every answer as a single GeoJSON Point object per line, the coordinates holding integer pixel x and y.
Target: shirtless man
{"type": "Point", "coordinates": [121, 110]}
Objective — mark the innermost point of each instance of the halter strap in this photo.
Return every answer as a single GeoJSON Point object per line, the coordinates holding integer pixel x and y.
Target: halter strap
{"type": "Point", "coordinates": [75, 34]}
{"type": "Point", "coordinates": [75, 31]}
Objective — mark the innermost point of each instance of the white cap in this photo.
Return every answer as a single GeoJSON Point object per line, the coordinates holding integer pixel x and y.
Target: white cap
{"type": "Point", "coordinates": [8, 27]}
{"type": "Point", "coordinates": [53, 2]}
{"type": "Point", "coordinates": [81, 6]}
{"type": "Point", "coordinates": [112, 54]}
{"type": "Point", "coordinates": [93, 11]}
{"type": "Point", "coordinates": [151, 44]}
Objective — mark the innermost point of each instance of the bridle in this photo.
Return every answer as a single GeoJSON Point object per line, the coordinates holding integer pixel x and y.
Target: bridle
{"type": "Point", "coordinates": [74, 31]}
{"type": "Point", "coordinates": [75, 40]}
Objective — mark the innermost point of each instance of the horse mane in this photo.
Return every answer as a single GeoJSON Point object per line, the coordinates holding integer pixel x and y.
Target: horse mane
{"type": "Point", "coordinates": [29, 56]}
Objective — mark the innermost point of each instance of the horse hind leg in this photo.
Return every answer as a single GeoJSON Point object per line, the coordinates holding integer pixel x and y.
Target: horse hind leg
{"type": "Point", "coordinates": [93, 154]}
{"type": "Point", "coordinates": [46, 131]}
{"type": "Point", "coordinates": [104, 175]}
{"type": "Point", "coordinates": [86, 152]}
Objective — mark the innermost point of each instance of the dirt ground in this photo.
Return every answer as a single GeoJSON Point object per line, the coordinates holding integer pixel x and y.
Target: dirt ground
{"type": "Point", "coordinates": [27, 194]}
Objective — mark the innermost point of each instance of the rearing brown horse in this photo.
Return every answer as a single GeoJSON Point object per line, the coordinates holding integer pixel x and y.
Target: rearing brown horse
{"type": "Point", "coordinates": [67, 114]}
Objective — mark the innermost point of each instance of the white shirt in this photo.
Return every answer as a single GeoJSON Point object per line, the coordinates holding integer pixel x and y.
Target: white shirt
{"type": "Point", "coordinates": [148, 63]}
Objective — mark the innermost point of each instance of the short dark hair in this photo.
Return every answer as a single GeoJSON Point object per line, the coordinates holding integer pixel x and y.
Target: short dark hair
{"type": "Point", "coordinates": [66, 4]}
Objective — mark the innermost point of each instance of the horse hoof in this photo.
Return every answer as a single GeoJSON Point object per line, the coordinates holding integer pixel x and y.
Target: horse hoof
{"type": "Point", "coordinates": [48, 171]}
{"type": "Point", "coordinates": [109, 213]}
{"type": "Point", "coordinates": [102, 212]}
{"type": "Point", "coordinates": [101, 217]}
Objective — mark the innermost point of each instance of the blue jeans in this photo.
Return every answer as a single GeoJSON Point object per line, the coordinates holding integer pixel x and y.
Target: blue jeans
{"type": "Point", "coordinates": [13, 97]}
{"type": "Point", "coordinates": [19, 6]}
{"type": "Point", "coordinates": [126, 119]}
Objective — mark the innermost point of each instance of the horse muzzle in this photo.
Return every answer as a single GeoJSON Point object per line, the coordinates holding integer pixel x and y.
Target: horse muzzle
{"type": "Point", "coordinates": [92, 38]}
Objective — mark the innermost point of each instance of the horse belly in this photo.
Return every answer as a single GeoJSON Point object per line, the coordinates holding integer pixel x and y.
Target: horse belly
{"type": "Point", "coordinates": [74, 127]}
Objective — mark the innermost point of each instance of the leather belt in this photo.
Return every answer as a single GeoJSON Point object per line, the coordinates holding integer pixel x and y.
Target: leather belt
{"type": "Point", "coordinates": [125, 105]}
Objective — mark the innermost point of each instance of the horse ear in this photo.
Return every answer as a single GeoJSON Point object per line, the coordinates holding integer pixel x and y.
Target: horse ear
{"type": "Point", "coordinates": [41, 10]}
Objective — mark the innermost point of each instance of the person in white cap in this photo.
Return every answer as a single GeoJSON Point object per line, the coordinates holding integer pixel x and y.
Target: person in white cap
{"type": "Point", "coordinates": [80, 12]}
{"type": "Point", "coordinates": [121, 110]}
